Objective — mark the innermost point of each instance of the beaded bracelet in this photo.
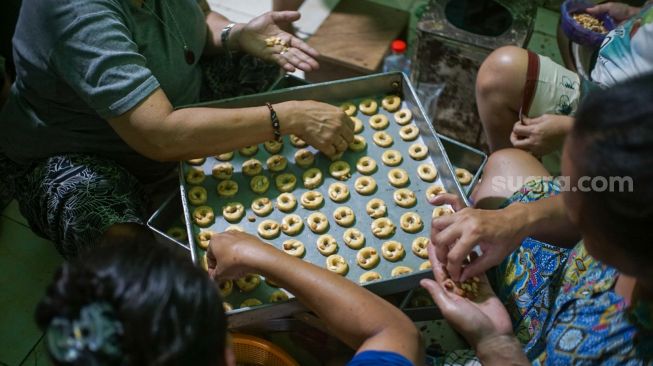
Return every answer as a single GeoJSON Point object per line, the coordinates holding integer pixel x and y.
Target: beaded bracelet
{"type": "Point", "coordinates": [276, 126]}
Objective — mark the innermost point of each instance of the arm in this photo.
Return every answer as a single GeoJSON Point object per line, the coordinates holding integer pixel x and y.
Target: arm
{"type": "Point", "coordinates": [215, 22]}
{"type": "Point", "coordinates": [359, 318]}
{"type": "Point", "coordinates": [501, 350]}
{"type": "Point", "coordinates": [154, 129]}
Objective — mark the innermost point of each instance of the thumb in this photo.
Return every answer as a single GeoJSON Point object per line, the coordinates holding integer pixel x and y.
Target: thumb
{"type": "Point", "coordinates": [530, 121]}
{"type": "Point", "coordinates": [448, 199]}
{"type": "Point", "coordinates": [438, 294]}
{"type": "Point", "coordinates": [597, 9]}
{"type": "Point", "coordinates": [285, 16]}
{"type": "Point", "coordinates": [478, 266]}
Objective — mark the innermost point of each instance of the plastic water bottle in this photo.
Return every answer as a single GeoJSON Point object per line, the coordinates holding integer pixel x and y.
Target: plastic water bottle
{"type": "Point", "coordinates": [397, 59]}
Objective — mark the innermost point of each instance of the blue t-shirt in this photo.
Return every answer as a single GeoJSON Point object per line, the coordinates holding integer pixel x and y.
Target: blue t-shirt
{"type": "Point", "coordinates": [375, 358]}
{"type": "Point", "coordinates": [81, 62]}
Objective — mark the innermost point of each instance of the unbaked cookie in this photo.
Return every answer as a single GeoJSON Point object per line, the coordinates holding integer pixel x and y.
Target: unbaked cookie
{"type": "Point", "coordinates": [340, 170]}
{"type": "Point", "coordinates": [177, 233]}
{"type": "Point", "coordinates": [400, 271]}
{"type": "Point", "coordinates": [369, 277]}
{"type": "Point", "coordinates": [337, 264]}
{"type": "Point", "coordinates": [259, 184]}
{"type": "Point", "coordinates": [403, 116]}
{"type": "Point", "coordinates": [427, 172]}
{"type": "Point", "coordinates": [366, 165]}
{"type": "Point", "coordinates": [344, 216]}
{"type": "Point", "coordinates": [338, 192]}
{"type": "Point", "coordinates": [358, 125]}
{"type": "Point", "coordinates": [383, 227]}
{"type": "Point", "coordinates": [464, 176]}
{"type": "Point", "coordinates": [248, 303]}
{"type": "Point", "coordinates": [391, 158]}
{"type": "Point", "coordinates": [442, 211]}
{"type": "Point", "coordinates": [197, 195]}
{"type": "Point", "coordinates": [409, 132]}
{"type": "Point", "coordinates": [411, 222]}
{"type": "Point", "coordinates": [392, 250]}
{"type": "Point", "coordinates": [382, 139]}
{"type": "Point", "coordinates": [277, 163]}
{"type": "Point", "coordinates": [391, 103]}
{"type": "Point", "coordinates": [285, 182]}
{"type": "Point", "coordinates": [418, 151]}
{"type": "Point", "coordinates": [262, 206]}
{"type": "Point", "coordinates": [404, 197]}
{"type": "Point", "coordinates": [204, 239]}
{"type": "Point", "coordinates": [226, 156]}
{"type": "Point", "coordinates": [286, 202]}
{"type": "Point", "coordinates": [292, 224]}
{"type": "Point", "coordinates": [227, 188]}
{"type": "Point", "coordinates": [252, 167]}
{"type": "Point", "coordinates": [278, 296]}
{"type": "Point", "coordinates": [312, 178]}
{"type": "Point", "coordinates": [358, 144]}
{"type": "Point", "coordinates": [398, 177]}
{"type": "Point", "coordinates": [273, 146]}
{"type": "Point", "coordinates": [304, 158]}
{"type": "Point", "coordinates": [348, 108]}
{"type": "Point", "coordinates": [327, 245]}
{"type": "Point", "coordinates": [425, 265]}
{"type": "Point", "coordinates": [269, 229]}
{"type": "Point", "coordinates": [420, 247]}
{"type": "Point", "coordinates": [376, 208]}
{"type": "Point", "coordinates": [195, 176]}
{"type": "Point", "coordinates": [248, 282]}
{"type": "Point", "coordinates": [198, 161]}
{"type": "Point", "coordinates": [368, 106]}
{"type": "Point", "coordinates": [367, 258]}
{"type": "Point", "coordinates": [317, 222]}
{"type": "Point", "coordinates": [353, 238]}
{"type": "Point", "coordinates": [233, 211]}
{"type": "Point", "coordinates": [203, 216]}
{"type": "Point", "coordinates": [222, 171]}
{"type": "Point", "coordinates": [249, 150]}
{"type": "Point", "coordinates": [297, 142]}
{"type": "Point", "coordinates": [226, 287]}
{"type": "Point", "coordinates": [237, 228]}
{"type": "Point", "coordinates": [379, 122]}
{"type": "Point", "coordinates": [365, 185]}
{"type": "Point", "coordinates": [312, 200]}
{"type": "Point", "coordinates": [433, 191]}
{"type": "Point", "coordinates": [294, 247]}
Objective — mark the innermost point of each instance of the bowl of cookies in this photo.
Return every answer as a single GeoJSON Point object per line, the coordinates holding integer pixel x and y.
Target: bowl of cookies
{"type": "Point", "coordinates": [584, 28]}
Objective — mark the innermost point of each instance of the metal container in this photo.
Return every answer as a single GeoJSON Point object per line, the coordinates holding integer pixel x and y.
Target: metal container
{"type": "Point", "coordinates": [336, 92]}
{"type": "Point", "coordinates": [168, 216]}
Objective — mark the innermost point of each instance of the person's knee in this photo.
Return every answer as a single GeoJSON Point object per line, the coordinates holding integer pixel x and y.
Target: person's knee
{"type": "Point", "coordinates": [125, 233]}
{"type": "Point", "coordinates": [502, 73]}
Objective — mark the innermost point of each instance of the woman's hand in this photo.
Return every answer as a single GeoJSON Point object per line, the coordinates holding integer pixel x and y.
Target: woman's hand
{"type": "Point", "coordinates": [496, 232]}
{"type": "Point", "coordinates": [618, 11]}
{"type": "Point", "coordinates": [292, 54]}
{"type": "Point", "coordinates": [321, 125]}
{"type": "Point", "coordinates": [228, 252]}
{"type": "Point", "coordinates": [541, 135]}
{"type": "Point", "coordinates": [477, 320]}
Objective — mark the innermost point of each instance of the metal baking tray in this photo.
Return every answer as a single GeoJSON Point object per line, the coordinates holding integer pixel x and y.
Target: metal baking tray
{"type": "Point", "coordinates": [335, 92]}
{"type": "Point", "coordinates": [168, 216]}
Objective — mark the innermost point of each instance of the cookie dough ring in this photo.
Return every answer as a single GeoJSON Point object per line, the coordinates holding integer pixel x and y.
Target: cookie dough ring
{"type": "Point", "coordinates": [353, 238]}
{"type": "Point", "coordinates": [400, 271]}
{"type": "Point", "coordinates": [379, 122]}
{"type": "Point", "coordinates": [411, 222]}
{"type": "Point", "coordinates": [348, 108]}
{"type": "Point", "coordinates": [358, 125]}
{"type": "Point", "coordinates": [420, 247]}
{"type": "Point", "coordinates": [203, 216]}
{"type": "Point", "coordinates": [195, 176]}
{"type": "Point", "coordinates": [268, 229]}
{"type": "Point", "coordinates": [366, 165]}
{"type": "Point", "coordinates": [441, 211]}
{"type": "Point", "coordinates": [233, 211]}
{"type": "Point", "coordinates": [222, 171]}
{"type": "Point", "coordinates": [259, 184]}
{"type": "Point", "coordinates": [262, 206]}
{"type": "Point", "coordinates": [404, 198]}
{"type": "Point", "coordinates": [365, 185]}
{"type": "Point", "coordinates": [176, 233]}
{"type": "Point", "coordinates": [226, 156]}
{"type": "Point", "coordinates": [418, 151]}
{"type": "Point", "coordinates": [367, 258]}
{"type": "Point", "coordinates": [358, 144]}
{"type": "Point", "coordinates": [237, 228]}
{"type": "Point", "coordinates": [277, 163]}
{"type": "Point", "coordinates": [326, 245]}
{"type": "Point", "coordinates": [226, 287]}
{"type": "Point", "coordinates": [340, 170]}
{"type": "Point", "coordinates": [383, 227]}
{"type": "Point", "coordinates": [392, 250]}
{"type": "Point", "coordinates": [425, 265]}
{"type": "Point", "coordinates": [249, 282]}
{"type": "Point", "coordinates": [382, 139]}
{"type": "Point", "coordinates": [197, 195]}
{"type": "Point", "coordinates": [433, 191]}
{"type": "Point", "coordinates": [376, 208]}
{"type": "Point", "coordinates": [337, 264]}
{"type": "Point", "coordinates": [278, 296]}
{"type": "Point", "coordinates": [464, 176]}
{"type": "Point", "coordinates": [338, 192]}
{"type": "Point", "coordinates": [368, 106]}
{"type": "Point", "coordinates": [391, 158]}
{"type": "Point", "coordinates": [391, 103]}
{"type": "Point", "coordinates": [317, 222]}
{"type": "Point", "coordinates": [294, 248]}
{"type": "Point", "coordinates": [312, 200]}
{"type": "Point", "coordinates": [304, 158]}
{"type": "Point", "coordinates": [252, 167]}
{"type": "Point", "coordinates": [403, 116]}
{"type": "Point", "coordinates": [398, 177]}
{"type": "Point", "coordinates": [227, 188]}
{"type": "Point", "coordinates": [204, 239]}
{"type": "Point", "coordinates": [198, 161]}
{"type": "Point", "coordinates": [409, 132]}
{"type": "Point", "coordinates": [297, 142]}
{"type": "Point", "coordinates": [312, 178]}
{"type": "Point", "coordinates": [292, 225]}
{"type": "Point", "coordinates": [273, 146]}
{"type": "Point", "coordinates": [344, 216]}
{"type": "Point", "coordinates": [427, 172]}
{"type": "Point", "coordinates": [248, 150]}
{"type": "Point", "coordinates": [286, 202]}
{"type": "Point", "coordinates": [285, 182]}
{"type": "Point", "coordinates": [369, 277]}
{"type": "Point", "coordinates": [248, 303]}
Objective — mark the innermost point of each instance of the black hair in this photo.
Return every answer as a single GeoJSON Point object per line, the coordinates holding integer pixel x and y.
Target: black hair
{"type": "Point", "coordinates": [613, 136]}
{"type": "Point", "coordinates": [170, 310]}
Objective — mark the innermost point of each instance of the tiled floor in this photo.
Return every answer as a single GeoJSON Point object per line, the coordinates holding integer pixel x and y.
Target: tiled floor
{"type": "Point", "coordinates": [27, 262]}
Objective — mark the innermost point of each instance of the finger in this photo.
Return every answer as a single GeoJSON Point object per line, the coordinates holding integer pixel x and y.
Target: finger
{"type": "Point", "coordinates": [347, 135]}
{"type": "Point", "coordinates": [436, 265]}
{"type": "Point", "coordinates": [448, 199]}
{"type": "Point", "coordinates": [458, 254]}
{"type": "Point", "coordinates": [341, 145]}
{"type": "Point", "coordinates": [448, 237]}
{"type": "Point", "coordinates": [328, 150]}
{"type": "Point", "coordinates": [291, 56]}
{"type": "Point", "coordinates": [443, 222]}
{"type": "Point", "coordinates": [597, 9]}
{"type": "Point", "coordinates": [439, 295]}
{"type": "Point", "coordinates": [527, 121]}
{"type": "Point", "coordinates": [524, 144]}
{"type": "Point", "coordinates": [301, 45]}
{"type": "Point", "coordinates": [285, 16]}
{"type": "Point", "coordinates": [281, 61]}
{"type": "Point", "coordinates": [478, 266]}
{"type": "Point", "coordinates": [522, 130]}
{"type": "Point", "coordinates": [305, 57]}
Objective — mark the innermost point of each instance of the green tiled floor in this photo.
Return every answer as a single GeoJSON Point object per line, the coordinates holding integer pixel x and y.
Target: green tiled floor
{"type": "Point", "coordinates": [27, 262]}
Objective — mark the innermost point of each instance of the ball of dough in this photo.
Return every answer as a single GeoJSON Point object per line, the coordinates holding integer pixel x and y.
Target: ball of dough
{"type": "Point", "coordinates": [418, 151]}
{"type": "Point", "coordinates": [382, 139]}
{"type": "Point", "coordinates": [409, 132]}
{"type": "Point", "coordinates": [326, 244]}
{"type": "Point", "coordinates": [403, 116]}
{"type": "Point", "coordinates": [337, 264]}
{"type": "Point", "coordinates": [398, 177]}
{"type": "Point", "coordinates": [379, 122]}
{"type": "Point", "coordinates": [427, 172]}
{"type": "Point", "coordinates": [420, 247]}
{"type": "Point", "coordinates": [233, 211]}
{"type": "Point", "coordinates": [294, 247]}
{"type": "Point", "coordinates": [391, 103]}
{"type": "Point", "coordinates": [368, 106]}
{"type": "Point", "coordinates": [365, 185]}
{"type": "Point", "coordinates": [366, 165]}
{"type": "Point", "coordinates": [292, 224]}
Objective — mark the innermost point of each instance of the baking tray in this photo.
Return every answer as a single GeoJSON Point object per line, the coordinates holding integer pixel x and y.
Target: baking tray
{"type": "Point", "coordinates": [169, 216]}
{"type": "Point", "coordinates": [334, 92]}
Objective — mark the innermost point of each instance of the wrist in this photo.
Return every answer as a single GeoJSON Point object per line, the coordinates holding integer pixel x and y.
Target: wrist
{"type": "Point", "coordinates": [521, 219]}
{"type": "Point", "coordinates": [500, 349]}
{"type": "Point", "coordinates": [285, 114]}
{"type": "Point", "coordinates": [233, 41]}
